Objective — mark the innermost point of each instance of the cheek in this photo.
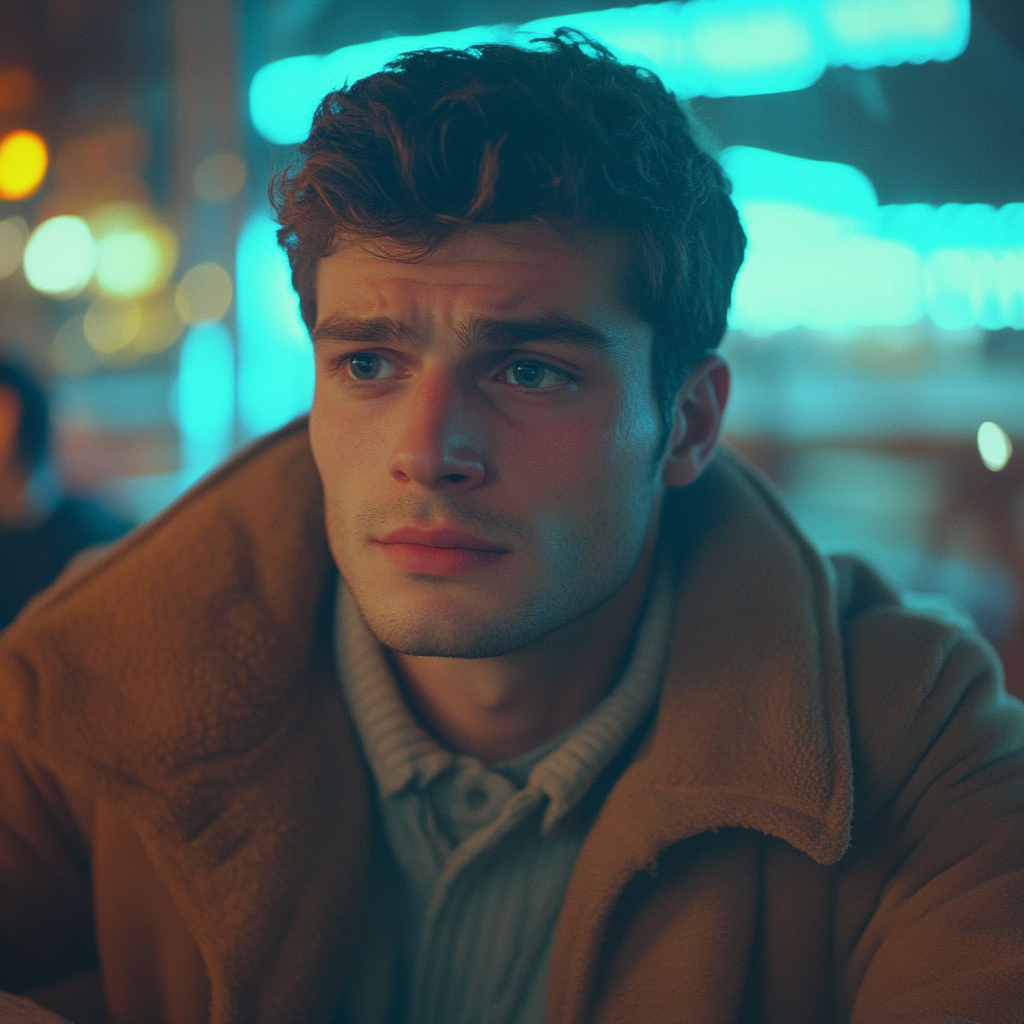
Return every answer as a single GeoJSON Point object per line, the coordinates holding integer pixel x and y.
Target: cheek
{"type": "Point", "coordinates": [621, 441]}
{"type": "Point", "coordinates": [345, 444]}
{"type": "Point", "coordinates": [335, 451]}
{"type": "Point", "coordinates": [599, 461]}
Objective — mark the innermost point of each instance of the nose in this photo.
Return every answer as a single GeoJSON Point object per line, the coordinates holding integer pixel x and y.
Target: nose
{"type": "Point", "coordinates": [440, 439]}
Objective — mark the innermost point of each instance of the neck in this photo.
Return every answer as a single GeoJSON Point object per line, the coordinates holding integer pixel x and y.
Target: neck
{"type": "Point", "coordinates": [499, 708]}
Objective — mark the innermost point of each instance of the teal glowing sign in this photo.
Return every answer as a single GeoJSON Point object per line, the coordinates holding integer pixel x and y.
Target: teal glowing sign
{"type": "Point", "coordinates": [701, 48]}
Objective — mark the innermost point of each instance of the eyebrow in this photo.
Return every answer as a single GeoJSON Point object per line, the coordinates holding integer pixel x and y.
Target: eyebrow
{"type": "Point", "coordinates": [366, 330]}
{"type": "Point", "coordinates": [488, 331]}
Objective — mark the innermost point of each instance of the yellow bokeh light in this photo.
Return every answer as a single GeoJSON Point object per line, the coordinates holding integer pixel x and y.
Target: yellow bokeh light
{"type": "Point", "coordinates": [135, 262]}
{"type": "Point", "coordinates": [23, 162]}
{"type": "Point", "coordinates": [204, 294]}
{"type": "Point", "coordinates": [161, 326]}
{"type": "Point", "coordinates": [110, 326]}
{"type": "Point", "coordinates": [219, 178]}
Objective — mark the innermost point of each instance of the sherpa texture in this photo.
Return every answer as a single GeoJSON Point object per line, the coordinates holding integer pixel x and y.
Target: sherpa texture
{"type": "Point", "coordinates": [824, 823]}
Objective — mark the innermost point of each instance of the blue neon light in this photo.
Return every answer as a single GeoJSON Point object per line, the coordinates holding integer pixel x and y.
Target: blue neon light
{"type": "Point", "coordinates": [822, 254]}
{"type": "Point", "coordinates": [705, 47]}
{"type": "Point", "coordinates": [275, 358]}
{"type": "Point", "coordinates": [205, 399]}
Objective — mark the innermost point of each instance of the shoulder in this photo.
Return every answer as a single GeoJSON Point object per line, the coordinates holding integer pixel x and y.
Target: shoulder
{"type": "Point", "coordinates": [273, 477]}
{"type": "Point", "coordinates": [220, 592]}
{"type": "Point", "coordinates": [923, 688]}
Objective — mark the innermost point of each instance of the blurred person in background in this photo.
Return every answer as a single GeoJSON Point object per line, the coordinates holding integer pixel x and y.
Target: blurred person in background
{"type": "Point", "coordinates": [495, 691]}
{"type": "Point", "coordinates": [41, 529]}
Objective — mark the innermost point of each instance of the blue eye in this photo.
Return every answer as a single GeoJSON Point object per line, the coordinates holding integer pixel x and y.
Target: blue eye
{"type": "Point", "coordinates": [528, 373]}
{"type": "Point", "coordinates": [367, 366]}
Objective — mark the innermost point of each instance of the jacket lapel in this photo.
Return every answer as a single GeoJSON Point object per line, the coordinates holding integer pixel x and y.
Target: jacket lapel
{"type": "Point", "coordinates": [751, 733]}
{"type": "Point", "coordinates": [187, 679]}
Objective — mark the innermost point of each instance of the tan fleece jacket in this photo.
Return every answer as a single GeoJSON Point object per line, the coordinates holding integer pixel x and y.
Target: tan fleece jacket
{"type": "Point", "coordinates": [825, 822]}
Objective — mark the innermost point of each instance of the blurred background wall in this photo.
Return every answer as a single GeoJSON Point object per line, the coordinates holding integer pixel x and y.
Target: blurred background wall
{"type": "Point", "coordinates": [877, 331]}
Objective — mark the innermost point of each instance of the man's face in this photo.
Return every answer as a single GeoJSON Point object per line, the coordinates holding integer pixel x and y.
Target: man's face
{"type": "Point", "coordinates": [486, 433]}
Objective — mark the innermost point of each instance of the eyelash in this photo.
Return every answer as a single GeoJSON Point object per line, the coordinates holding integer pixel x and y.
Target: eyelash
{"type": "Point", "coordinates": [345, 363]}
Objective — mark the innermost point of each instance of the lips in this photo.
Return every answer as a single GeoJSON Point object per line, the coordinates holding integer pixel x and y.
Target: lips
{"type": "Point", "coordinates": [443, 551]}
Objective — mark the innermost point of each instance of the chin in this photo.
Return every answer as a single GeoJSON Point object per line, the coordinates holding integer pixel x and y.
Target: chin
{"type": "Point", "coordinates": [440, 639]}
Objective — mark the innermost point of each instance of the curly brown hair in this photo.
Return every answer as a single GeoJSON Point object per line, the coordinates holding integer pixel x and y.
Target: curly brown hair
{"type": "Point", "coordinates": [442, 139]}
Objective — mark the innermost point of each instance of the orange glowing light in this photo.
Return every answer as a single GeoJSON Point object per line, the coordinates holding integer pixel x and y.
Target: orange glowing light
{"type": "Point", "coordinates": [23, 161]}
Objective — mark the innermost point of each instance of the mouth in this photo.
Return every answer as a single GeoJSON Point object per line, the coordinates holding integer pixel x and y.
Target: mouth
{"type": "Point", "coordinates": [444, 551]}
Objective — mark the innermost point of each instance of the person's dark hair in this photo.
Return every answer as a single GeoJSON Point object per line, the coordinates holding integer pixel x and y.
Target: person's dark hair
{"type": "Point", "coordinates": [34, 425]}
{"type": "Point", "coordinates": [442, 139]}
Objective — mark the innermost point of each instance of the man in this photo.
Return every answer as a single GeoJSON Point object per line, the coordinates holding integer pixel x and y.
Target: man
{"type": "Point", "coordinates": [581, 729]}
{"type": "Point", "coordinates": [40, 530]}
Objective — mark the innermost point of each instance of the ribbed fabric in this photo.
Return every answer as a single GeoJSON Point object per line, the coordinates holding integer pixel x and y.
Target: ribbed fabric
{"type": "Point", "coordinates": [482, 854]}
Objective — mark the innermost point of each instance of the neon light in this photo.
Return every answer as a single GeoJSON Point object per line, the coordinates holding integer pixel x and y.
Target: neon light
{"type": "Point", "coordinates": [283, 96]}
{"type": "Point", "coordinates": [759, 174]}
{"type": "Point", "coordinates": [275, 357]}
{"type": "Point", "coordinates": [822, 254]}
{"type": "Point", "coordinates": [205, 399]}
{"type": "Point", "coordinates": [866, 33]}
{"type": "Point", "coordinates": [704, 47]}
{"type": "Point", "coordinates": [709, 47]}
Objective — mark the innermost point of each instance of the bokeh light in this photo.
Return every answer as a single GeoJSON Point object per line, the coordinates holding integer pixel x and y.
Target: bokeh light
{"type": "Point", "coordinates": [204, 294]}
{"type": "Point", "coordinates": [135, 254]}
{"type": "Point", "coordinates": [23, 162]}
{"type": "Point", "coordinates": [219, 178]}
{"type": "Point", "coordinates": [17, 89]}
{"type": "Point", "coordinates": [160, 326]}
{"type": "Point", "coordinates": [994, 446]}
{"type": "Point", "coordinates": [60, 256]}
{"type": "Point", "coordinates": [111, 326]}
{"type": "Point", "coordinates": [13, 236]}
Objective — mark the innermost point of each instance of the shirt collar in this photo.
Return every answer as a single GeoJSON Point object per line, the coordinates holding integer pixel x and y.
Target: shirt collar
{"type": "Point", "coordinates": [403, 754]}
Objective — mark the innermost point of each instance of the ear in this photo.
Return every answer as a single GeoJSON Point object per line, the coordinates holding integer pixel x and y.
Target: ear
{"type": "Point", "coordinates": [697, 422]}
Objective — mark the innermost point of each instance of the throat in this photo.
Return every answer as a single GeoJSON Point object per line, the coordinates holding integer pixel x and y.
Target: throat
{"type": "Point", "coordinates": [497, 709]}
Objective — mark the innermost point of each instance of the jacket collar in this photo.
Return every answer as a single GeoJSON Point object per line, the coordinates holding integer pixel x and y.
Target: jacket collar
{"type": "Point", "coordinates": [752, 729]}
{"type": "Point", "coordinates": [187, 677]}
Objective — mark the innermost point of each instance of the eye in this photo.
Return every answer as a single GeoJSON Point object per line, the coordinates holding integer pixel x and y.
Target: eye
{"type": "Point", "coordinates": [528, 373]}
{"type": "Point", "coordinates": [368, 366]}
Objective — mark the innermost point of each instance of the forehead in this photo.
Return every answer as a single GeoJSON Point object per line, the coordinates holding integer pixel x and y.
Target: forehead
{"type": "Point", "coordinates": [498, 267]}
